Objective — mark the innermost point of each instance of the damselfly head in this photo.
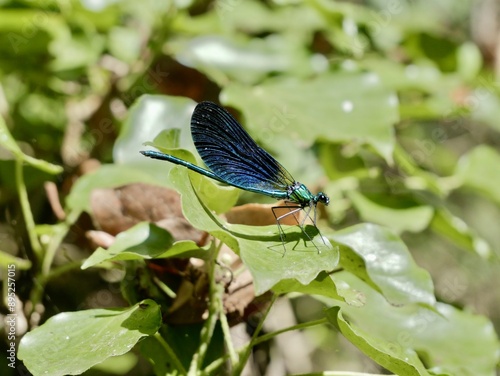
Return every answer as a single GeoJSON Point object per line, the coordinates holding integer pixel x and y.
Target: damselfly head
{"type": "Point", "coordinates": [321, 197]}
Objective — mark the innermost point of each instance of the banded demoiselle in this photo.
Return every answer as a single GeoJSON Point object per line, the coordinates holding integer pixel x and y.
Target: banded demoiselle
{"type": "Point", "coordinates": [234, 158]}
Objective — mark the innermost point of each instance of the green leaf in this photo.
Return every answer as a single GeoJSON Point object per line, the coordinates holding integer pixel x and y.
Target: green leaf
{"type": "Point", "coordinates": [263, 254]}
{"type": "Point", "coordinates": [270, 264]}
{"type": "Point", "coordinates": [149, 116]}
{"type": "Point", "coordinates": [381, 259]}
{"type": "Point", "coordinates": [321, 285]}
{"type": "Point", "coordinates": [144, 241]}
{"type": "Point", "coordinates": [300, 20]}
{"type": "Point", "coordinates": [72, 342]}
{"type": "Point", "coordinates": [401, 361]}
{"type": "Point", "coordinates": [259, 247]}
{"type": "Point", "coordinates": [222, 58]}
{"type": "Point", "coordinates": [219, 198]}
{"type": "Point", "coordinates": [450, 341]}
{"type": "Point", "coordinates": [339, 107]}
{"type": "Point", "coordinates": [414, 219]}
{"type": "Point", "coordinates": [118, 365]}
{"type": "Point", "coordinates": [424, 89]}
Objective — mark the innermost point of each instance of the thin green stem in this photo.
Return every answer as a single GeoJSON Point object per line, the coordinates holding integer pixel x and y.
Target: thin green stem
{"type": "Point", "coordinates": [215, 294]}
{"type": "Point", "coordinates": [227, 334]}
{"type": "Point", "coordinates": [56, 272]}
{"type": "Point", "coordinates": [245, 353]}
{"type": "Point", "coordinates": [26, 209]}
{"type": "Point", "coordinates": [57, 239]}
{"type": "Point", "coordinates": [215, 365]}
{"type": "Point", "coordinates": [163, 287]}
{"type": "Point", "coordinates": [268, 336]}
{"type": "Point", "coordinates": [170, 353]}
{"type": "Point", "coordinates": [45, 274]}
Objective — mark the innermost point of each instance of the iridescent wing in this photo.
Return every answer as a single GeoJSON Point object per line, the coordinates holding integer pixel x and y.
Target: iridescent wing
{"type": "Point", "coordinates": [228, 150]}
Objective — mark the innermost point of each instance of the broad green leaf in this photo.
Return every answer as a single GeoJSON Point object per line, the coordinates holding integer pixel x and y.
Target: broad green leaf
{"type": "Point", "coordinates": [144, 241]}
{"type": "Point", "coordinates": [450, 341]}
{"type": "Point", "coordinates": [270, 264]}
{"type": "Point", "coordinates": [72, 342]}
{"type": "Point", "coordinates": [219, 198]}
{"type": "Point", "coordinates": [121, 364]}
{"type": "Point", "coordinates": [260, 248]}
{"type": "Point", "coordinates": [194, 209]}
{"type": "Point", "coordinates": [422, 77]}
{"type": "Point", "coordinates": [414, 219]}
{"type": "Point", "coordinates": [401, 361]}
{"type": "Point", "coordinates": [333, 106]}
{"type": "Point", "coordinates": [222, 58]}
{"type": "Point", "coordinates": [300, 20]}
{"type": "Point", "coordinates": [381, 259]}
{"type": "Point", "coordinates": [148, 117]}
{"type": "Point", "coordinates": [479, 171]}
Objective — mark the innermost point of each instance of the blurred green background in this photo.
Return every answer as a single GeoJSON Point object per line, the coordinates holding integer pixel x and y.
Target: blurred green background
{"type": "Point", "coordinates": [392, 107]}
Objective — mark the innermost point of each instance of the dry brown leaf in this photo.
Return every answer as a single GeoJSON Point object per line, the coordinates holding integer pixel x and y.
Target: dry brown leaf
{"type": "Point", "coordinates": [116, 210]}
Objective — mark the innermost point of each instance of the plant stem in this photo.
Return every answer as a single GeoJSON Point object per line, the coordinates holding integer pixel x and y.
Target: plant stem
{"type": "Point", "coordinates": [215, 294]}
{"type": "Point", "coordinates": [57, 239]}
{"type": "Point", "coordinates": [171, 354]}
{"type": "Point", "coordinates": [26, 210]}
{"type": "Point", "coordinates": [43, 276]}
{"type": "Point", "coordinates": [227, 334]}
{"type": "Point", "coordinates": [268, 336]}
{"type": "Point", "coordinates": [245, 353]}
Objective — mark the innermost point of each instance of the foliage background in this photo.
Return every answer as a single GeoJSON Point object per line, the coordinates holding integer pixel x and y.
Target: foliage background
{"type": "Point", "coordinates": [391, 106]}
